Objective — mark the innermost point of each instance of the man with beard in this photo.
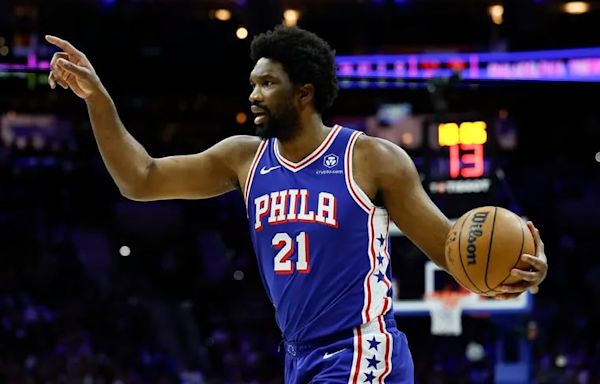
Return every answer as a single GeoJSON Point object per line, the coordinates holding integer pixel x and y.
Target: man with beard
{"type": "Point", "coordinates": [318, 199]}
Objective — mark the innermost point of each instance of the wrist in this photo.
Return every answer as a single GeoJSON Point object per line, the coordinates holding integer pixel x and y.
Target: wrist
{"type": "Point", "coordinates": [99, 97]}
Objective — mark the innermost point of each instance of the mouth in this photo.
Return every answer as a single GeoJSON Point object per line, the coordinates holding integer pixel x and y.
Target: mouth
{"type": "Point", "coordinates": [260, 116]}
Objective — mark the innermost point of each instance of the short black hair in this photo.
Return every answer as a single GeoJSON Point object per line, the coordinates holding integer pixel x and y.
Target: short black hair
{"type": "Point", "coordinates": [306, 58]}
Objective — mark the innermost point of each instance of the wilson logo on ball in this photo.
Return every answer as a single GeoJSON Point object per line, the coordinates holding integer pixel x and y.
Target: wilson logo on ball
{"type": "Point", "coordinates": [475, 231]}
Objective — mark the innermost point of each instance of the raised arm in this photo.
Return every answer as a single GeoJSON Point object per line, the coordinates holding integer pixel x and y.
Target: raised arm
{"type": "Point", "coordinates": [397, 182]}
{"type": "Point", "coordinates": [138, 175]}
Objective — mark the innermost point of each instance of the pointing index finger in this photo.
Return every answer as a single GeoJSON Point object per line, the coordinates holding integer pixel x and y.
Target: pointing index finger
{"type": "Point", "coordinates": [64, 45]}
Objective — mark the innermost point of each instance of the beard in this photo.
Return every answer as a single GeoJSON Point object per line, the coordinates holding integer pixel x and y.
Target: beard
{"type": "Point", "coordinates": [282, 126]}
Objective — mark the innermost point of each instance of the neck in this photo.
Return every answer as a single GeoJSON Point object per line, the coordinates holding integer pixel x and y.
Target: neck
{"type": "Point", "coordinates": [311, 134]}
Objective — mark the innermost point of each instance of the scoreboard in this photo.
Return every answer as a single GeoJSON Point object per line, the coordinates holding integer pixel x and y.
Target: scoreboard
{"type": "Point", "coordinates": [460, 163]}
{"type": "Point", "coordinates": [457, 156]}
{"type": "Point", "coordinates": [460, 160]}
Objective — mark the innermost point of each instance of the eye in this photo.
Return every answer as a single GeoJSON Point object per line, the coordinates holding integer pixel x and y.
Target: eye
{"type": "Point", "coordinates": [267, 83]}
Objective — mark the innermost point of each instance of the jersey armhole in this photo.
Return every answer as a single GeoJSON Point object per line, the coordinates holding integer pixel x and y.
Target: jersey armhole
{"type": "Point", "coordinates": [359, 196]}
{"type": "Point", "coordinates": [251, 171]}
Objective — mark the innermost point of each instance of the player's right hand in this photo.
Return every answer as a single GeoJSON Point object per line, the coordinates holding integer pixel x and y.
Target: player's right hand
{"type": "Point", "coordinates": [71, 69]}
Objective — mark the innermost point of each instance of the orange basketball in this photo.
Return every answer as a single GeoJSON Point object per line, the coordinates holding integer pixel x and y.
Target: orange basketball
{"type": "Point", "coordinates": [484, 245]}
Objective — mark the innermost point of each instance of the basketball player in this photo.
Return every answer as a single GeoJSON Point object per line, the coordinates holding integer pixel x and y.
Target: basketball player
{"type": "Point", "coordinates": [319, 200]}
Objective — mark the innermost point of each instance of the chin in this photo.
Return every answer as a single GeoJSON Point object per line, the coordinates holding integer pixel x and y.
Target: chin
{"type": "Point", "coordinates": [264, 132]}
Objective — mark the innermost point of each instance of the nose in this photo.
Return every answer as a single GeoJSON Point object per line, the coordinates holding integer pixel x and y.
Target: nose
{"type": "Point", "coordinates": [255, 95]}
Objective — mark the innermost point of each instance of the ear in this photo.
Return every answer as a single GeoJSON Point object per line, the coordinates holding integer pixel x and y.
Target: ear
{"type": "Point", "coordinates": [306, 94]}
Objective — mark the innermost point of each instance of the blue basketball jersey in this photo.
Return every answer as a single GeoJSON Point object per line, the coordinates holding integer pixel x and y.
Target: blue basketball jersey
{"type": "Point", "coordinates": [321, 244]}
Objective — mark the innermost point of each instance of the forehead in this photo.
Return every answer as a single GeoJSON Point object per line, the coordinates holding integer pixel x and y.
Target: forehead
{"type": "Point", "coordinates": [266, 67]}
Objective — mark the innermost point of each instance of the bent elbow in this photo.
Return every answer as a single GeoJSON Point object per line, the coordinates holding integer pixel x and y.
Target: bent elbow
{"type": "Point", "coordinates": [135, 194]}
{"type": "Point", "coordinates": [138, 188]}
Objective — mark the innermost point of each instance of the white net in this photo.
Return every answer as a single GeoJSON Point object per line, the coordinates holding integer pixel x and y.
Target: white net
{"type": "Point", "coordinates": [446, 314]}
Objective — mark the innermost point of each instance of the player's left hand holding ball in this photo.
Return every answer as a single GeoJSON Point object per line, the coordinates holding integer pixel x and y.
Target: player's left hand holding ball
{"type": "Point", "coordinates": [531, 277]}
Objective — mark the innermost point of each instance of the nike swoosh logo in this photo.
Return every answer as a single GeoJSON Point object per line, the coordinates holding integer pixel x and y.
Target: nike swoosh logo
{"type": "Point", "coordinates": [327, 355]}
{"type": "Point", "coordinates": [265, 170]}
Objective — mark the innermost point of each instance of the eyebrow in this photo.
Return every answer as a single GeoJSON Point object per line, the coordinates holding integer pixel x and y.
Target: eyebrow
{"type": "Point", "coordinates": [263, 77]}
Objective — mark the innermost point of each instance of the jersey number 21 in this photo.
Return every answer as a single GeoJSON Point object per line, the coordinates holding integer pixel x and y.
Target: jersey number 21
{"type": "Point", "coordinates": [284, 243]}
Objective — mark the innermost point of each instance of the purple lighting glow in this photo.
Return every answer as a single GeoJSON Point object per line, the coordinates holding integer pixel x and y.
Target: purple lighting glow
{"type": "Point", "coordinates": [577, 65]}
{"type": "Point", "coordinates": [32, 65]}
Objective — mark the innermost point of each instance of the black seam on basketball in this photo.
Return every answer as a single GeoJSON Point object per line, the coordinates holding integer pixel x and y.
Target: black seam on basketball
{"type": "Point", "coordinates": [487, 263]}
{"type": "Point", "coordinates": [460, 256]}
{"type": "Point", "coordinates": [518, 256]}
{"type": "Point", "coordinates": [459, 281]}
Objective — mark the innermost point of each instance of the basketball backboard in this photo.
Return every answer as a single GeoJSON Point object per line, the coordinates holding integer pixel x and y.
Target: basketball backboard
{"type": "Point", "coordinates": [438, 280]}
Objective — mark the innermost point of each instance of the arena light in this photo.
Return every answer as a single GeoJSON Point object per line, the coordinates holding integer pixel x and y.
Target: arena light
{"type": "Point", "coordinates": [221, 14]}
{"type": "Point", "coordinates": [576, 7]}
{"type": "Point", "coordinates": [291, 17]}
{"type": "Point", "coordinates": [238, 275]}
{"type": "Point", "coordinates": [561, 361]}
{"type": "Point", "coordinates": [241, 118]}
{"type": "Point", "coordinates": [125, 251]}
{"type": "Point", "coordinates": [497, 14]}
{"type": "Point", "coordinates": [4, 50]}
{"type": "Point", "coordinates": [241, 33]}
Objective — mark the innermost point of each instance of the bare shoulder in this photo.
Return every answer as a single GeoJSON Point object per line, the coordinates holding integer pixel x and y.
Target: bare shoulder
{"type": "Point", "coordinates": [237, 150]}
{"type": "Point", "coordinates": [383, 158]}
{"type": "Point", "coordinates": [379, 164]}
{"type": "Point", "coordinates": [242, 145]}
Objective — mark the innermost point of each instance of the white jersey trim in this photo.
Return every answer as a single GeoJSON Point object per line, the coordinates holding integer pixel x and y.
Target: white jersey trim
{"type": "Point", "coordinates": [389, 347]}
{"type": "Point", "coordinates": [372, 358]}
{"type": "Point", "coordinates": [295, 167]}
{"type": "Point", "coordinates": [252, 170]}
{"type": "Point", "coordinates": [376, 284]}
{"type": "Point", "coordinates": [375, 287]}
{"type": "Point", "coordinates": [359, 196]}
{"type": "Point", "coordinates": [388, 301]}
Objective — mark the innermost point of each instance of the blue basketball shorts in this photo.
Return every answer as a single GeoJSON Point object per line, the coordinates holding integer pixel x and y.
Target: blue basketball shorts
{"type": "Point", "coordinates": [375, 352]}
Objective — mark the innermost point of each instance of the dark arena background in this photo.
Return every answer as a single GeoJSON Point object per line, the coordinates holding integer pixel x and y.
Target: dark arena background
{"type": "Point", "coordinates": [497, 102]}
